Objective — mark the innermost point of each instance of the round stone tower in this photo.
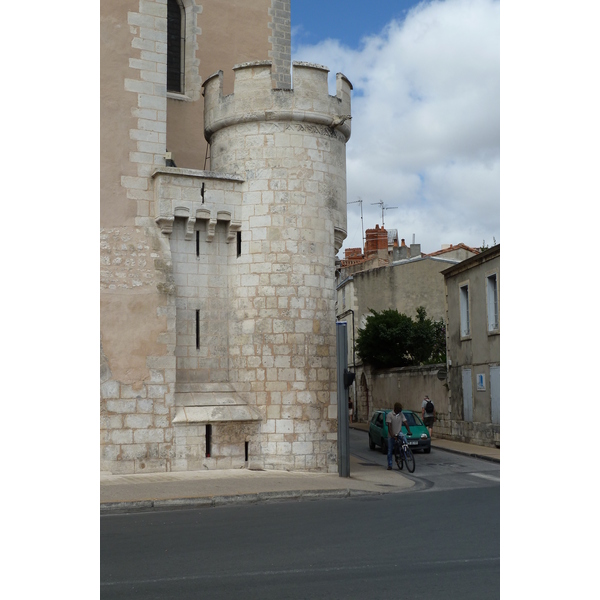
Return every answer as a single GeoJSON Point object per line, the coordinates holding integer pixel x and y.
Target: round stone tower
{"type": "Point", "coordinates": [289, 145]}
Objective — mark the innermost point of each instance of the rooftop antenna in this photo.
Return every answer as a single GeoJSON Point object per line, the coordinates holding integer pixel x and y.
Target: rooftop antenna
{"type": "Point", "coordinates": [360, 201]}
{"type": "Point", "coordinates": [383, 209]}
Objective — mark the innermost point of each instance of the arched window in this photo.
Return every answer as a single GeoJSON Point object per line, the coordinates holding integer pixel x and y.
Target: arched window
{"type": "Point", "coordinates": [175, 47]}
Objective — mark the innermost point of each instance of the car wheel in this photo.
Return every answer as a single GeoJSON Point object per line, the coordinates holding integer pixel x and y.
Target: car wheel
{"type": "Point", "coordinates": [371, 443]}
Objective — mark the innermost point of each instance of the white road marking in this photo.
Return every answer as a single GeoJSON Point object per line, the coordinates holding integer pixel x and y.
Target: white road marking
{"type": "Point", "coordinates": [486, 476]}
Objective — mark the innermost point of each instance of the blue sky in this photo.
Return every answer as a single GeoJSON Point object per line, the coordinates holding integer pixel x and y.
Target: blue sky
{"type": "Point", "coordinates": [344, 20]}
{"type": "Point", "coordinates": [425, 112]}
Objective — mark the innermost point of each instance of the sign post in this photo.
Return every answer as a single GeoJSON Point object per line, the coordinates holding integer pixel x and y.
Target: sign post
{"type": "Point", "coordinates": [344, 381]}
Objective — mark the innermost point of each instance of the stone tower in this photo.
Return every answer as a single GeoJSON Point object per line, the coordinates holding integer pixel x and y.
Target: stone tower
{"type": "Point", "coordinates": [289, 148]}
{"type": "Point", "coordinates": [252, 252]}
{"type": "Point", "coordinates": [217, 340]}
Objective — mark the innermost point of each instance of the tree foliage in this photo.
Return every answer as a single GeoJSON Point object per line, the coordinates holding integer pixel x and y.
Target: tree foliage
{"type": "Point", "coordinates": [393, 339]}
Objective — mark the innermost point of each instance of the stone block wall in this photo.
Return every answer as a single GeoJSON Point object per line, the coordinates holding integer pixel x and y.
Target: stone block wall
{"type": "Point", "coordinates": [407, 385]}
{"type": "Point", "coordinates": [280, 39]}
{"type": "Point", "coordinates": [282, 343]}
{"type": "Point", "coordinates": [270, 217]}
{"type": "Point", "coordinates": [137, 351]}
{"type": "Point", "coordinates": [200, 273]}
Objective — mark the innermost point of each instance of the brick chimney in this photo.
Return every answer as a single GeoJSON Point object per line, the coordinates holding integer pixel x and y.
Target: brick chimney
{"type": "Point", "coordinates": [376, 240]}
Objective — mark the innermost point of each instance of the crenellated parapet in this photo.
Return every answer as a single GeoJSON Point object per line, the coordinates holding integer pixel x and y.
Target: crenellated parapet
{"type": "Point", "coordinates": [255, 100]}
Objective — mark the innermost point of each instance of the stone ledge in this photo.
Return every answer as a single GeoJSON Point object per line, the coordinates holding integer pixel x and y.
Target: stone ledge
{"type": "Point", "coordinates": [217, 403]}
{"type": "Point", "coordinates": [197, 173]}
{"type": "Point", "coordinates": [215, 414]}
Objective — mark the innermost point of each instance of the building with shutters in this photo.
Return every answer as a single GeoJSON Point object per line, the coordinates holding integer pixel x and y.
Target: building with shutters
{"type": "Point", "coordinates": [392, 275]}
{"type": "Point", "coordinates": [473, 347]}
{"type": "Point", "coordinates": [223, 205]}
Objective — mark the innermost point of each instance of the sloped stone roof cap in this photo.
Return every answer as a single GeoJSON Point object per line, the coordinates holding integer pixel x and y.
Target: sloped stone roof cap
{"type": "Point", "coordinates": [212, 403]}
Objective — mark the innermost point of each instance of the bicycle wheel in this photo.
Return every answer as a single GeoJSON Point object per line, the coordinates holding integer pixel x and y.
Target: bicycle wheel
{"type": "Point", "coordinates": [398, 456]}
{"type": "Point", "coordinates": [410, 459]}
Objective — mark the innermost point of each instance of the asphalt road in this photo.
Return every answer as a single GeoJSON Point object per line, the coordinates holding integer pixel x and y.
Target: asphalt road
{"type": "Point", "coordinates": [439, 541]}
{"type": "Point", "coordinates": [439, 470]}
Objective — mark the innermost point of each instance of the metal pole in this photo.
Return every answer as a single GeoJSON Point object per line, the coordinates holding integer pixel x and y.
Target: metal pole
{"type": "Point", "coordinates": [353, 365]}
{"type": "Point", "coordinates": [342, 398]}
{"type": "Point", "coordinates": [355, 412]}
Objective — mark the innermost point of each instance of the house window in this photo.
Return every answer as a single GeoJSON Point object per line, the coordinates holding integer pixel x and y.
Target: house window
{"type": "Point", "coordinates": [175, 46]}
{"type": "Point", "coordinates": [492, 302]}
{"type": "Point", "coordinates": [465, 325]}
{"type": "Point", "coordinates": [343, 297]}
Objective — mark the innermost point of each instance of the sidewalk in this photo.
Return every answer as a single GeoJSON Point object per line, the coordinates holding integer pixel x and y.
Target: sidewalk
{"type": "Point", "coordinates": [163, 491]}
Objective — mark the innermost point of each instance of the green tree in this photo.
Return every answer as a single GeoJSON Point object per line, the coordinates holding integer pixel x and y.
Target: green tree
{"type": "Point", "coordinates": [385, 340]}
{"type": "Point", "coordinates": [393, 339]}
{"type": "Point", "coordinates": [423, 338]}
{"type": "Point", "coordinates": [438, 352]}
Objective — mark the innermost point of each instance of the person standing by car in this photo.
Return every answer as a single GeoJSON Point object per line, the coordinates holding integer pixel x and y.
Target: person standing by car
{"type": "Point", "coordinates": [394, 421]}
{"type": "Point", "coordinates": [428, 413]}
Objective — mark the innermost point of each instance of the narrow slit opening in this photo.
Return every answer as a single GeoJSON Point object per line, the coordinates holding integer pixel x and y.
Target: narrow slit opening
{"type": "Point", "coordinates": [197, 330]}
{"type": "Point", "coordinates": [239, 243]}
{"type": "Point", "coordinates": [246, 451]}
{"type": "Point", "coordinates": [197, 243]}
{"type": "Point", "coordinates": [208, 440]}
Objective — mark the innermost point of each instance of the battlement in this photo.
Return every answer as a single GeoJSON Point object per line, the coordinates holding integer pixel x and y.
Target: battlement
{"type": "Point", "coordinates": [254, 98]}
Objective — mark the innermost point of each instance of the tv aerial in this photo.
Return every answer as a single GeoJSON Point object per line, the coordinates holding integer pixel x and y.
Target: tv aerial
{"type": "Point", "coordinates": [383, 209]}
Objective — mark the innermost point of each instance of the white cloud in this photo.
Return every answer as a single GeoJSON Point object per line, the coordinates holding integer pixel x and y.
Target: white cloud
{"type": "Point", "coordinates": [426, 123]}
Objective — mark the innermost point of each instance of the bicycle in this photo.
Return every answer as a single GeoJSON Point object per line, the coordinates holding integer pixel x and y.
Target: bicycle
{"type": "Point", "coordinates": [403, 453]}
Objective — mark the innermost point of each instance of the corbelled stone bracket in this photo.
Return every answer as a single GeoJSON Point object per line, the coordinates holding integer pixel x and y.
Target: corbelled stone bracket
{"type": "Point", "coordinates": [165, 224]}
{"type": "Point", "coordinates": [194, 195]}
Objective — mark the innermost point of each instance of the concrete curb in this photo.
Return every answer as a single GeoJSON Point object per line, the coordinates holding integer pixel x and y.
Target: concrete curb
{"type": "Point", "coordinates": [213, 501]}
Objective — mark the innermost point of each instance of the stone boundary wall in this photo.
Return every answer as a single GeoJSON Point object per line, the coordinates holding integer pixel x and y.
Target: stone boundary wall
{"type": "Point", "coordinates": [408, 385]}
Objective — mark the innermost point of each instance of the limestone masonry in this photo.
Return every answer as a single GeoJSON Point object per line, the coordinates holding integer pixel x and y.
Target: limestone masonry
{"type": "Point", "coordinates": [218, 285]}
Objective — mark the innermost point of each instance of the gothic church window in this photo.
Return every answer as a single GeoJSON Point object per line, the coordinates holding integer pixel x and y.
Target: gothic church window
{"type": "Point", "coordinates": [175, 46]}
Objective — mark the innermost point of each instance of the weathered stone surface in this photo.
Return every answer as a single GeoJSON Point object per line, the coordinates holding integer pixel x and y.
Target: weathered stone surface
{"type": "Point", "coordinates": [223, 278]}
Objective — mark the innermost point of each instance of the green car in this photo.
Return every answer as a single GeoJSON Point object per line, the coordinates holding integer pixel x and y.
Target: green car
{"type": "Point", "coordinates": [378, 433]}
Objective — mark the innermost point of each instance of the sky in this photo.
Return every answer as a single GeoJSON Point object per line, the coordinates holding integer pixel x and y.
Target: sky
{"type": "Point", "coordinates": [425, 113]}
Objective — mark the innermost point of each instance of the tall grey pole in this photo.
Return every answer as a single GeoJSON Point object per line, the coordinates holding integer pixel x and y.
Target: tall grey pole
{"type": "Point", "coordinates": [342, 398]}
